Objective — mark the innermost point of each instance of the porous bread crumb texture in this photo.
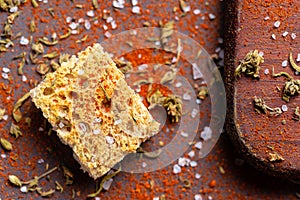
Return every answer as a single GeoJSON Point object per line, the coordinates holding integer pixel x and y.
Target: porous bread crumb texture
{"type": "Point", "coordinates": [94, 111]}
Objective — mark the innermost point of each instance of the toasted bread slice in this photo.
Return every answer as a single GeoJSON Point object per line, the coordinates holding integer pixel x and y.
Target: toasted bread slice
{"type": "Point", "coordinates": [94, 111]}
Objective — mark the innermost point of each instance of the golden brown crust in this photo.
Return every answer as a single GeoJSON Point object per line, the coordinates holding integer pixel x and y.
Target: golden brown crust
{"type": "Point", "coordinates": [94, 111]}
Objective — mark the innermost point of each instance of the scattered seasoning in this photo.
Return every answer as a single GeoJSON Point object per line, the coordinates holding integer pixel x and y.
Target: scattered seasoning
{"type": "Point", "coordinates": [124, 66]}
{"type": "Point", "coordinates": [45, 194]}
{"type": "Point", "coordinates": [293, 64]}
{"type": "Point", "coordinates": [45, 41]}
{"type": "Point", "coordinates": [203, 92]}
{"type": "Point", "coordinates": [222, 170]}
{"type": "Point", "coordinates": [68, 175]}
{"type": "Point", "coordinates": [37, 48]}
{"type": "Point", "coordinates": [16, 110]}
{"type": "Point", "coordinates": [6, 144]}
{"type": "Point", "coordinates": [34, 3]}
{"type": "Point", "coordinates": [15, 180]}
{"type": "Point", "coordinates": [58, 186]}
{"type": "Point", "coordinates": [184, 7]}
{"type": "Point", "coordinates": [66, 35]}
{"type": "Point", "coordinates": [15, 130]}
{"type": "Point", "coordinates": [260, 105]}
{"type": "Point", "coordinates": [51, 55]}
{"type": "Point", "coordinates": [297, 114]}
{"type": "Point", "coordinates": [32, 26]}
{"type": "Point", "coordinates": [43, 68]}
{"type": "Point", "coordinates": [104, 179]}
{"type": "Point", "coordinates": [250, 65]}
{"type": "Point", "coordinates": [173, 106]}
{"type": "Point", "coordinates": [95, 4]}
{"type": "Point", "coordinates": [2, 112]}
{"type": "Point", "coordinates": [153, 154]}
{"type": "Point", "coordinates": [166, 31]}
{"type": "Point", "coordinates": [275, 157]}
{"type": "Point", "coordinates": [291, 86]}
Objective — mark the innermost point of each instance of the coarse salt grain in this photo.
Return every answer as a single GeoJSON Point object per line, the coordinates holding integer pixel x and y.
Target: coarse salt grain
{"type": "Point", "coordinates": [24, 189]}
{"type": "Point", "coordinates": [284, 108]}
{"type": "Point", "coordinates": [198, 101]}
{"type": "Point", "coordinates": [98, 120]}
{"type": "Point", "coordinates": [142, 67]}
{"type": "Point", "coordinates": [3, 155]}
{"type": "Point", "coordinates": [179, 84]}
{"type": "Point", "coordinates": [105, 27]}
{"type": "Point", "coordinates": [285, 33]}
{"type": "Point", "coordinates": [134, 2]}
{"type": "Point", "coordinates": [87, 25]}
{"type": "Point", "coordinates": [24, 41]}
{"type": "Point", "coordinates": [277, 24]}
{"type": "Point", "coordinates": [107, 34]}
{"type": "Point", "coordinates": [186, 97]}
{"type": "Point", "coordinates": [284, 63]}
{"type": "Point", "coordinates": [293, 36]}
{"type": "Point", "coordinates": [198, 145]}
{"type": "Point", "coordinates": [68, 19]}
{"type": "Point", "coordinates": [297, 73]}
{"type": "Point", "coordinates": [183, 161]}
{"type": "Point", "coordinates": [197, 176]}
{"type": "Point", "coordinates": [211, 16]}
{"type": "Point", "coordinates": [261, 53]}
{"type": "Point", "coordinates": [80, 72]}
{"type": "Point", "coordinates": [80, 20]}
{"type": "Point", "coordinates": [196, 72]}
{"type": "Point", "coordinates": [193, 163]}
{"type": "Point", "coordinates": [109, 140]}
{"type": "Point", "coordinates": [5, 69]}
{"type": "Point", "coordinates": [191, 154]}
{"type": "Point", "coordinates": [5, 117]}
{"type": "Point", "coordinates": [61, 125]}
{"type": "Point", "coordinates": [155, 198]}
{"type": "Point", "coordinates": [273, 36]}
{"type": "Point", "coordinates": [24, 78]}
{"type": "Point", "coordinates": [40, 161]}
{"type": "Point", "coordinates": [73, 25]}
{"type": "Point", "coordinates": [298, 57]}
{"type": "Point", "coordinates": [97, 198]}
{"type": "Point", "coordinates": [220, 40]}
{"type": "Point", "coordinates": [74, 32]}
{"type": "Point", "coordinates": [144, 164]}
{"type": "Point", "coordinates": [194, 113]}
{"type": "Point", "coordinates": [174, 60]}
{"type": "Point", "coordinates": [139, 56]}
{"type": "Point", "coordinates": [136, 10]}
{"type": "Point", "coordinates": [13, 9]}
{"type": "Point", "coordinates": [198, 197]}
{"type": "Point", "coordinates": [184, 134]}
{"type": "Point", "coordinates": [90, 13]}
{"type": "Point", "coordinates": [206, 134]}
{"type": "Point", "coordinates": [113, 24]}
{"type": "Point", "coordinates": [176, 169]}
{"type": "Point", "coordinates": [266, 18]}
{"type": "Point", "coordinates": [210, 197]}
{"type": "Point", "coordinates": [266, 72]}
{"type": "Point", "coordinates": [109, 20]}
{"type": "Point", "coordinates": [41, 129]}
{"type": "Point", "coordinates": [118, 4]}
{"type": "Point", "coordinates": [4, 76]}
{"type": "Point", "coordinates": [197, 12]}
{"type": "Point", "coordinates": [106, 185]}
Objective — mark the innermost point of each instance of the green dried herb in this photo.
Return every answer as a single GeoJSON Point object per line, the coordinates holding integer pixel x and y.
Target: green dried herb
{"type": "Point", "coordinates": [68, 175]}
{"type": "Point", "coordinates": [45, 194]}
{"type": "Point", "coordinates": [11, 18]}
{"type": "Point", "coordinates": [183, 6]}
{"type": "Point", "coordinates": [3, 49]}
{"type": "Point", "coordinates": [32, 26]}
{"type": "Point", "coordinates": [2, 112]}
{"type": "Point", "coordinates": [6, 144]}
{"type": "Point", "coordinates": [15, 180]}
{"type": "Point", "coordinates": [16, 110]}
{"type": "Point", "coordinates": [203, 92]}
{"type": "Point", "coordinates": [51, 55]}
{"type": "Point", "coordinates": [275, 157]}
{"type": "Point", "coordinates": [37, 48]}
{"type": "Point", "coordinates": [169, 76]}
{"type": "Point", "coordinates": [54, 65]}
{"type": "Point", "coordinates": [42, 68]}
{"type": "Point", "coordinates": [95, 4]}
{"type": "Point", "coordinates": [250, 65]}
{"type": "Point", "coordinates": [45, 41]}
{"type": "Point", "coordinates": [15, 130]}
{"type": "Point", "coordinates": [153, 154]}
{"type": "Point", "coordinates": [58, 186]}
{"type": "Point", "coordinates": [63, 58]}
{"type": "Point", "coordinates": [293, 64]}
{"type": "Point", "coordinates": [66, 35]}
{"type": "Point", "coordinates": [186, 183]}
{"type": "Point", "coordinates": [154, 98]}
{"type": "Point", "coordinates": [166, 31]}
{"type": "Point", "coordinates": [291, 86]}
{"type": "Point", "coordinates": [124, 66]}
{"type": "Point", "coordinates": [104, 91]}
{"type": "Point", "coordinates": [34, 3]}
{"type": "Point", "coordinates": [173, 106]}
{"type": "Point", "coordinates": [297, 114]}
{"type": "Point", "coordinates": [51, 12]}
{"type": "Point", "coordinates": [84, 38]}
{"type": "Point", "coordinates": [105, 178]}
{"type": "Point", "coordinates": [260, 105]}
{"type": "Point", "coordinates": [21, 66]}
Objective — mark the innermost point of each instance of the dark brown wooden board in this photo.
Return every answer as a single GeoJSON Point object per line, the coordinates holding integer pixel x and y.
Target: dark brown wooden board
{"type": "Point", "coordinates": [249, 26]}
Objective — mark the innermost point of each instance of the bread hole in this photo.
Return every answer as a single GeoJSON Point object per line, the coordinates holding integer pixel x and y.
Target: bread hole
{"type": "Point", "coordinates": [68, 75]}
{"type": "Point", "coordinates": [48, 91]}
{"type": "Point", "coordinates": [73, 95]}
{"type": "Point", "coordinates": [62, 96]}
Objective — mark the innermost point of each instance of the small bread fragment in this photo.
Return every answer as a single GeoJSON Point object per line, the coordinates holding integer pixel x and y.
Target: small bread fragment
{"type": "Point", "coordinates": [94, 111]}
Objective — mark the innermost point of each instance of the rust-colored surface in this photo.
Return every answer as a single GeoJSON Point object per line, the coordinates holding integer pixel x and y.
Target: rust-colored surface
{"type": "Point", "coordinates": [259, 135]}
{"type": "Point", "coordinates": [238, 180]}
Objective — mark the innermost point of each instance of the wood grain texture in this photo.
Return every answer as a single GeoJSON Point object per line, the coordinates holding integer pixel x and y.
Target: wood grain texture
{"type": "Point", "coordinates": [257, 135]}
